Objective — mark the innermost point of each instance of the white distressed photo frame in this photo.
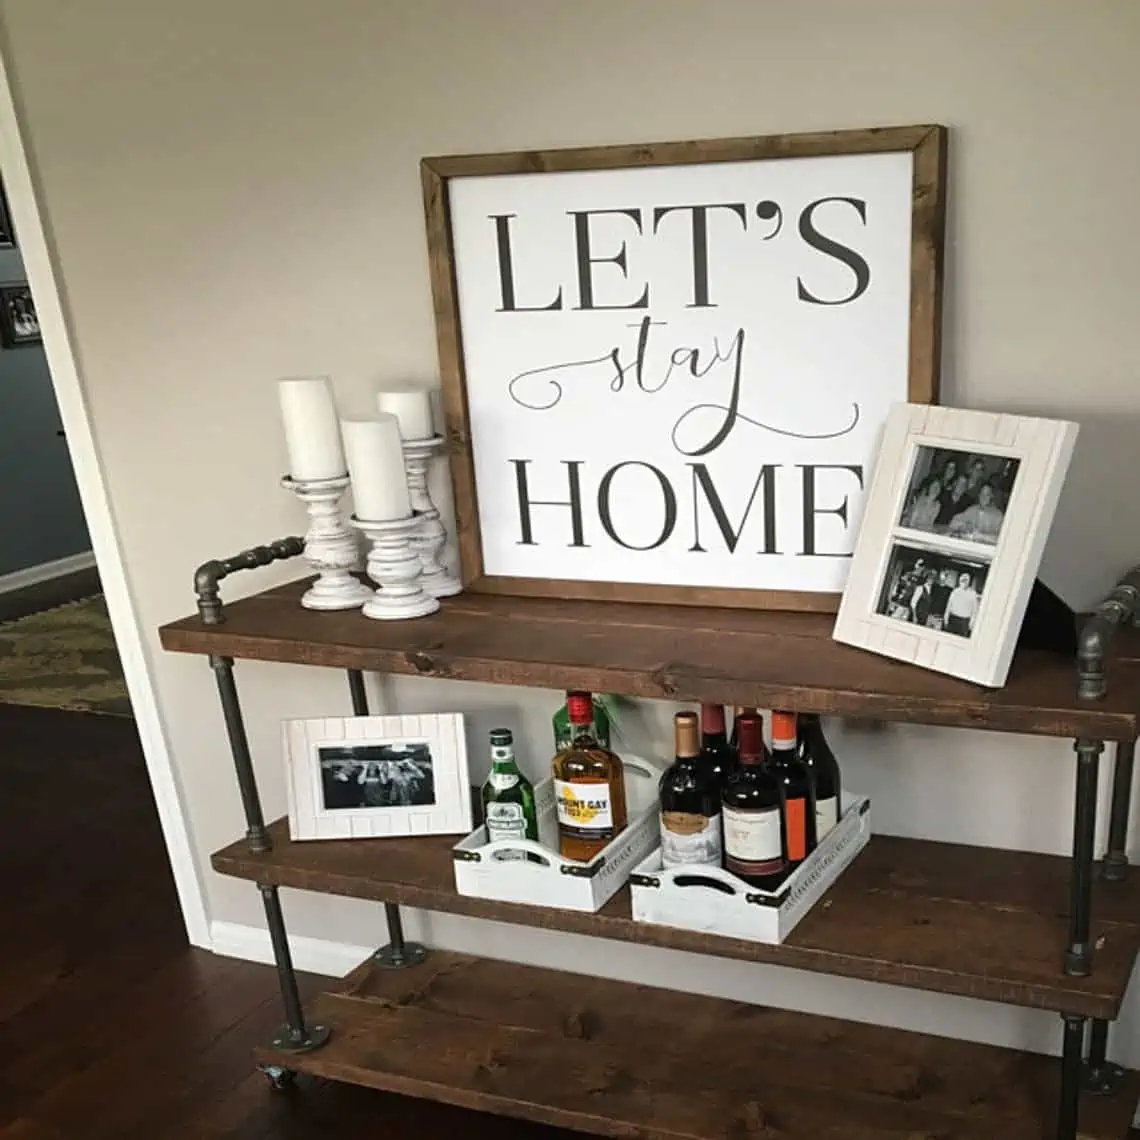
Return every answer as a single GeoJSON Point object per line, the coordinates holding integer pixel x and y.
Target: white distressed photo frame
{"type": "Point", "coordinates": [386, 776]}
{"type": "Point", "coordinates": [1000, 559]}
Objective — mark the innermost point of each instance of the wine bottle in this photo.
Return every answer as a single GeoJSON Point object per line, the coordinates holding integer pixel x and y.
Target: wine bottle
{"type": "Point", "coordinates": [690, 801]}
{"type": "Point", "coordinates": [818, 758]}
{"type": "Point", "coordinates": [796, 788]}
{"type": "Point", "coordinates": [717, 755]}
{"type": "Point", "coordinates": [737, 712]}
{"type": "Point", "coordinates": [589, 786]}
{"type": "Point", "coordinates": [508, 796]}
{"type": "Point", "coordinates": [755, 848]}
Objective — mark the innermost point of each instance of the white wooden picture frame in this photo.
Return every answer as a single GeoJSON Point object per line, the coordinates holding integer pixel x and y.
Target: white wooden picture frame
{"type": "Point", "coordinates": [942, 579]}
{"type": "Point", "coordinates": [371, 777]}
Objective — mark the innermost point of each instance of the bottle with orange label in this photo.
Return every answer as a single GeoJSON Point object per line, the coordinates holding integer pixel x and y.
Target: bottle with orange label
{"type": "Point", "coordinates": [589, 786]}
{"type": "Point", "coordinates": [798, 794]}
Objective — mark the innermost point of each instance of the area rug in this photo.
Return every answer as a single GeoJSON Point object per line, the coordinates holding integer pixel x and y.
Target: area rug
{"type": "Point", "coordinates": [63, 658]}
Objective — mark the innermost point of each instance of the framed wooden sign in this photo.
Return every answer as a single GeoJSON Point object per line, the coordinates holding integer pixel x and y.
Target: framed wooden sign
{"type": "Point", "coordinates": [666, 367]}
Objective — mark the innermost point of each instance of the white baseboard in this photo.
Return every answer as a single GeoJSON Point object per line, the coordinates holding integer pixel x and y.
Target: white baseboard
{"type": "Point", "coordinates": [46, 571]}
{"type": "Point", "coordinates": [310, 955]}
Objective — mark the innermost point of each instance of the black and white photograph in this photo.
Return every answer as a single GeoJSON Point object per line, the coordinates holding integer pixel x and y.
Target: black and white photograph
{"type": "Point", "coordinates": [934, 590]}
{"type": "Point", "coordinates": [7, 230]}
{"type": "Point", "coordinates": [960, 494]}
{"type": "Point", "coordinates": [19, 323]}
{"type": "Point", "coordinates": [355, 776]}
{"type": "Point", "coordinates": [377, 776]}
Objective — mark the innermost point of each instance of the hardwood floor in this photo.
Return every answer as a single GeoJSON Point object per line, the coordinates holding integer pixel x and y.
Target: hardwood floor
{"type": "Point", "coordinates": [110, 1025]}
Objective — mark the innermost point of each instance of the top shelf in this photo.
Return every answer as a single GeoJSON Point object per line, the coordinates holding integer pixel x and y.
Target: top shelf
{"type": "Point", "coordinates": [764, 658]}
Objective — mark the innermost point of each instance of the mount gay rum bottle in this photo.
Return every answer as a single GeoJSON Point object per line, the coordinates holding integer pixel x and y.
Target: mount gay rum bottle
{"type": "Point", "coordinates": [589, 786]}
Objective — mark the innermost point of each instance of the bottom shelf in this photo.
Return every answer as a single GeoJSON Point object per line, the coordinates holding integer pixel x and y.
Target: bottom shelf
{"type": "Point", "coordinates": [626, 1060]}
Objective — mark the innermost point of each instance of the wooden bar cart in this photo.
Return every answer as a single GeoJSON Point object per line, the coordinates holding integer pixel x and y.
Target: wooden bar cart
{"type": "Point", "coordinates": [625, 1060]}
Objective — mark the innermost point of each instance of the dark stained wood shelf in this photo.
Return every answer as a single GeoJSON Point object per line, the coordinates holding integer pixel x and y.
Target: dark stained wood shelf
{"type": "Point", "coordinates": [978, 922]}
{"type": "Point", "coordinates": [624, 1060]}
{"type": "Point", "coordinates": [771, 659]}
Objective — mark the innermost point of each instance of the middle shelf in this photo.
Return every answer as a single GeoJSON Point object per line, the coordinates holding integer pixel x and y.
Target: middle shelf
{"type": "Point", "coordinates": [971, 921]}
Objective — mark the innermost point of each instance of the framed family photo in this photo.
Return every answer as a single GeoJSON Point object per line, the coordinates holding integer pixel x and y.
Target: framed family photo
{"type": "Point", "coordinates": [960, 505]}
{"type": "Point", "coordinates": [377, 776]}
{"type": "Point", "coordinates": [19, 322]}
{"type": "Point", "coordinates": [665, 365]}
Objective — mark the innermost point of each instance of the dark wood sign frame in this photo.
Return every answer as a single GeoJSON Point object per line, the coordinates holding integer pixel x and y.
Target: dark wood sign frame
{"type": "Point", "coordinates": [928, 143]}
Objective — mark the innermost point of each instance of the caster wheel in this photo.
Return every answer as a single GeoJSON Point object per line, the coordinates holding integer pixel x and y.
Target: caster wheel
{"type": "Point", "coordinates": [278, 1077]}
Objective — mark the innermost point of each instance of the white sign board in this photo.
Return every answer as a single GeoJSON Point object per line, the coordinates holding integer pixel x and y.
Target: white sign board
{"type": "Point", "coordinates": [670, 379]}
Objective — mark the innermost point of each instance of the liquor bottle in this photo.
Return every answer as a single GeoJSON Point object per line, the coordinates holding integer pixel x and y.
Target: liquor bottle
{"type": "Point", "coordinates": [754, 846]}
{"type": "Point", "coordinates": [818, 758]}
{"type": "Point", "coordinates": [717, 754]}
{"type": "Point", "coordinates": [690, 801]}
{"type": "Point", "coordinates": [737, 712]}
{"type": "Point", "coordinates": [508, 796]}
{"type": "Point", "coordinates": [796, 787]}
{"type": "Point", "coordinates": [564, 730]}
{"type": "Point", "coordinates": [589, 786]}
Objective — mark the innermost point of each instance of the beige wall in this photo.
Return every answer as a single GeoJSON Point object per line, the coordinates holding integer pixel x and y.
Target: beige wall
{"type": "Point", "coordinates": [232, 191]}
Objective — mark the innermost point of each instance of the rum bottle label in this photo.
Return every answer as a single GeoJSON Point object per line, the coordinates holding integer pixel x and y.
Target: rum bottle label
{"type": "Point", "coordinates": [752, 842]}
{"type": "Point", "coordinates": [688, 837]}
{"type": "Point", "coordinates": [584, 810]}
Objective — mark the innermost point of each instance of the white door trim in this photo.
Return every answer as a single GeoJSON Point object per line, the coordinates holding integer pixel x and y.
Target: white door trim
{"type": "Point", "coordinates": [39, 263]}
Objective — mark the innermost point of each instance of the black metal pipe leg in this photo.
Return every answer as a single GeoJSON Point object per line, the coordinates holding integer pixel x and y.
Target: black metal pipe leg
{"type": "Point", "coordinates": [1078, 956]}
{"type": "Point", "coordinates": [398, 954]}
{"type": "Point", "coordinates": [1115, 866]}
{"type": "Point", "coordinates": [356, 689]}
{"type": "Point", "coordinates": [1101, 1075]}
{"type": "Point", "coordinates": [295, 1036]}
{"type": "Point", "coordinates": [1068, 1110]}
{"type": "Point", "coordinates": [256, 835]}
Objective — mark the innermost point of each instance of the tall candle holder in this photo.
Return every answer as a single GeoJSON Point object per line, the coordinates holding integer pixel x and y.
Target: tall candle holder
{"type": "Point", "coordinates": [396, 569]}
{"type": "Point", "coordinates": [430, 539]}
{"type": "Point", "coordinates": [331, 549]}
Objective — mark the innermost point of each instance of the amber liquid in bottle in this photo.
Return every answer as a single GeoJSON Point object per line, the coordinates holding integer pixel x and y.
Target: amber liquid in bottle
{"type": "Point", "coordinates": [589, 786]}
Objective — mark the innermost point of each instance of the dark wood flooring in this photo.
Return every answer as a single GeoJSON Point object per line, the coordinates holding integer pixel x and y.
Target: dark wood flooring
{"type": "Point", "coordinates": [110, 1025]}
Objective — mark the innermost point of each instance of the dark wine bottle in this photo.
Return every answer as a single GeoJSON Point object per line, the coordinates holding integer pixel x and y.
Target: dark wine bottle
{"type": "Point", "coordinates": [690, 802]}
{"type": "Point", "coordinates": [817, 756]}
{"type": "Point", "coordinates": [737, 712]}
{"type": "Point", "coordinates": [755, 848]}
{"type": "Point", "coordinates": [717, 755]}
{"type": "Point", "coordinates": [796, 788]}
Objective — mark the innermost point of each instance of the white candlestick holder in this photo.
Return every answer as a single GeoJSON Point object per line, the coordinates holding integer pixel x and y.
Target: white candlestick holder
{"type": "Point", "coordinates": [430, 540]}
{"type": "Point", "coordinates": [331, 549]}
{"type": "Point", "coordinates": [396, 569]}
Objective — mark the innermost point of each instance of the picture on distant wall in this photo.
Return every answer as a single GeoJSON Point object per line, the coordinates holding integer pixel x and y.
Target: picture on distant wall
{"type": "Point", "coordinates": [931, 589]}
{"type": "Point", "coordinates": [7, 230]}
{"type": "Point", "coordinates": [962, 494]}
{"type": "Point", "coordinates": [19, 323]}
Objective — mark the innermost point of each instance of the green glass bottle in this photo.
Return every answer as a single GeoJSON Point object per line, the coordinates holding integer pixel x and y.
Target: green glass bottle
{"type": "Point", "coordinates": [508, 796]}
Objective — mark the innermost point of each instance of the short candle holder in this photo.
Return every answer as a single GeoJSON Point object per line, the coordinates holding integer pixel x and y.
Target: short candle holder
{"type": "Point", "coordinates": [331, 549]}
{"type": "Point", "coordinates": [396, 569]}
{"type": "Point", "coordinates": [430, 540]}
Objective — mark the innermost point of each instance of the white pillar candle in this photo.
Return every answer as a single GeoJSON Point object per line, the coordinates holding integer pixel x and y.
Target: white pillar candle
{"type": "Point", "coordinates": [376, 467]}
{"type": "Point", "coordinates": [312, 431]}
{"type": "Point", "coordinates": [412, 407]}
